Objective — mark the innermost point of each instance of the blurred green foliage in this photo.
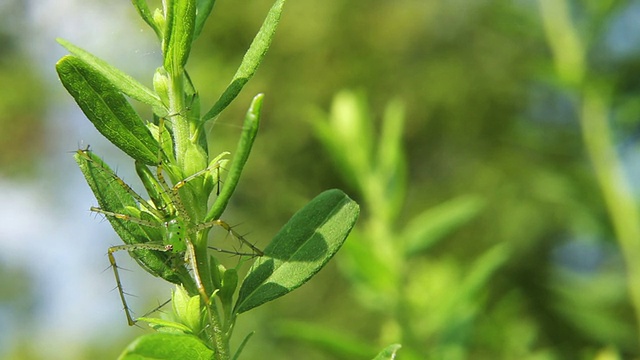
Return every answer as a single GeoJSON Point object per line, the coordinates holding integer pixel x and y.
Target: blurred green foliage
{"type": "Point", "coordinates": [485, 117]}
{"type": "Point", "coordinates": [22, 104]}
{"type": "Point", "coordinates": [531, 268]}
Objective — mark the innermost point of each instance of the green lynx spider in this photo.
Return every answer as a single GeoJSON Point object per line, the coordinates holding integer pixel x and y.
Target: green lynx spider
{"type": "Point", "coordinates": [168, 228]}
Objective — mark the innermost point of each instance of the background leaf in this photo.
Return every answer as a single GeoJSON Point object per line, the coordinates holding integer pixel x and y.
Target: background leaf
{"type": "Point", "coordinates": [434, 224]}
{"type": "Point", "coordinates": [341, 344]}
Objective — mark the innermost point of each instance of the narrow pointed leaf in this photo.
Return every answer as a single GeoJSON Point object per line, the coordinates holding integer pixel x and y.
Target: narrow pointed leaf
{"type": "Point", "coordinates": [341, 344]}
{"type": "Point", "coordinates": [202, 14]}
{"type": "Point", "coordinates": [107, 109]}
{"type": "Point", "coordinates": [434, 224]}
{"type": "Point", "coordinates": [391, 167]}
{"type": "Point", "coordinates": [244, 342]}
{"type": "Point", "coordinates": [147, 16]}
{"type": "Point", "coordinates": [301, 248]}
{"type": "Point", "coordinates": [252, 59]}
{"type": "Point", "coordinates": [121, 81]}
{"type": "Point", "coordinates": [249, 132]}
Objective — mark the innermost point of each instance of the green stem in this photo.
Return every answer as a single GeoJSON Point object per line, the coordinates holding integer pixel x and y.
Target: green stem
{"type": "Point", "coordinates": [182, 141]}
{"type": "Point", "coordinates": [564, 40]}
{"type": "Point", "coordinates": [615, 187]}
{"type": "Point", "coordinates": [570, 61]}
{"type": "Point", "coordinates": [216, 330]}
{"type": "Point", "coordinates": [220, 337]}
{"type": "Point", "coordinates": [179, 122]}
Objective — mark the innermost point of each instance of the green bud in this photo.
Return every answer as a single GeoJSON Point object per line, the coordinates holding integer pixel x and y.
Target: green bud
{"type": "Point", "coordinates": [161, 86]}
{"type": "Point", "coordinates": [158, 18]}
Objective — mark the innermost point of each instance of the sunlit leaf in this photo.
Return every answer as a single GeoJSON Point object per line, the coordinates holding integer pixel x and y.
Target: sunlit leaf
{"type": "Point", "coordinates": [301, 248]}
{"type": "Point", "coordinates": [389, 353]}
{"type": "Point", "coordinates": [121, 81]}
{"type": "Point", "coordinates": [107, 109]}
{"type": "Point", "coordinates": [163, 346]}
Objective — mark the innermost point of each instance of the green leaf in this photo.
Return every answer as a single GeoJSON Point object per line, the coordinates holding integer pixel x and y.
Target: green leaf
{"type": "Point", "coordinates": [390, 153]}
{"type": "Point", "coordinates": [202, 14]}
{"type": "Point", "coordinates": [160, 346]}
{"type": "Point", "coordinates": [459, 307]}
{"type": "Point", "coordinates": [181, 19]}
{"type": "Point", "coordinates": [432, 225]}
{"type": "Point", "coordinates": [348, 135]}
{"type": "Point", "coordinates": [301, 248]}
{"type": "Point", "coordinates": [251, 60]}
{"type": "Point", "coordinates": [373, 277]}
{"type": "Point", "coordinates": [166, 326]}
{"type": "Point", "coordinates": [187, 309]}
{"type": "Point", "coordinates": [147, 16]}
{"type": "Point", "coordinates": [389, 353]}
{"type": "Point", "coordinates": [249, 132]}
{"type": "Point", "coordinates": [390, 166]}
{"type": "Point", "coordinates": [121, 81]}
{"type": "Point", "coordinates": [113, 196]}
{"type": "Point", "coordinates": [480, 274]}
{"type": "Point", "coordinates": [107, 109]}
{"type": "Point", "coordinates": [342, 345]}
{"type": "Point", "coordinates": [229, 285]}
{"type": "Point", "coordinates": [242, 345]}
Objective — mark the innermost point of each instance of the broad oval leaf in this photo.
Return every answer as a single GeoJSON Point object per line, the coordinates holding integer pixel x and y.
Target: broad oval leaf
{"type": "Point", "coordinates": [160, 346]}
{"type": "Point", "coordinates": [108, 109]}
{"type": "Point", "coordinates": [301, 248]}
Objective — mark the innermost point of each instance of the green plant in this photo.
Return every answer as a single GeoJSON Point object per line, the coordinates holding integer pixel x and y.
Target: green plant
{"type": "Point", "coordinates": [426, 303]}
{"type": "Point", "coordinates": [168, 233]}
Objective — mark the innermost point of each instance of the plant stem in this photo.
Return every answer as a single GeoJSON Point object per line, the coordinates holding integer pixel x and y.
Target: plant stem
{"type": "Point", "coordinates": [220, 337]}
{"type": "Point", "coordinates": [180, 124]}
{"type": "Point", "coordinates": [570, 61]}
{"type": "Point", "coordinates": [615, 187]}
{"type": "Point", "coordinates": [200, 262]}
